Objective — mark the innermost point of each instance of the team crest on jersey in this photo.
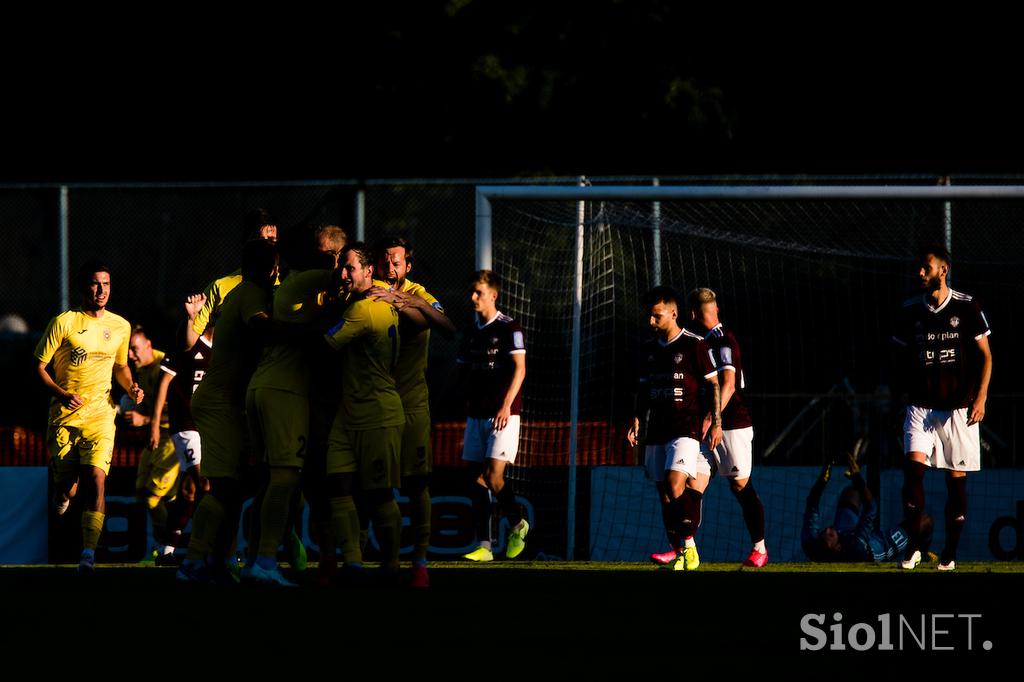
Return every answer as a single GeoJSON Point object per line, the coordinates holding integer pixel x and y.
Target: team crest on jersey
{"type": "Point", "coordinates": [677, 358]}
{"type": "Point", "coordinates": [106, 334]}
{"type": "Point", "coordinates": [494, 340]}
{"type": "Point", "coordinates": [78, 356]}
{"type": "Point", "coordinates": [954, 322]}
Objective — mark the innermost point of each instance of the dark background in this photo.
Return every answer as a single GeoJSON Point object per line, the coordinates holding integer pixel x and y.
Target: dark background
{"type": "Point", "coordinates": [467, 88]}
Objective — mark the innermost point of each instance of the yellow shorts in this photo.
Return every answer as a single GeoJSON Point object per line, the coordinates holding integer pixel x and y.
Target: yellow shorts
{"type": "Point", "coordinates": [222, 429]}
{"type": "Point", "coordinates": [71, 447]}
{"type": "Point", "coordinates": [158, 469]}
{"type": "Point", "coordinates": [278, 426]}
{"type": "Point", "coordinates": [373, 454]}
{"type": "Point", "coordinates": [417, 456]}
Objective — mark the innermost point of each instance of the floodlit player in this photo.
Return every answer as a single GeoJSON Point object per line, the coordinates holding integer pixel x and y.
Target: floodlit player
{"type": "Point", "coordinates": [157, 476]}
{"type": "Point", "coordinates": [492, 361]}
{"type": "Point", "coordinates": [675, 363]}
{"type": "Point", "coordinates": [734, 456]}
{"type": "Point", "coordinates": [86, 346]}
{"type": "Point", "coordinates": [943, 336]}
{"type": "Point", "coordinates": [418, 313]}
{"type": "Point", "coordinates": [365, 439]}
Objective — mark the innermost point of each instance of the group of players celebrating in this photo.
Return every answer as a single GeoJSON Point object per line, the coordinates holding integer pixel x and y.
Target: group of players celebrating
{"type": "Point", "coordinates": [318, 384]}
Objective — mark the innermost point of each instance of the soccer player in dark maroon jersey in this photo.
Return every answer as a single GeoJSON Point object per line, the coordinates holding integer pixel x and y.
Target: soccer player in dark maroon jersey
{"type": "Point", "coordinates": [181, 373]}
{"type": "Point", "coordinates": [734, 456]}
{"type": "Point", "coordinates": [492, 360]}
{"type": "Point", "coordinates": [943, 336]}
{"type": "Point", "coordinates": [676, 362]}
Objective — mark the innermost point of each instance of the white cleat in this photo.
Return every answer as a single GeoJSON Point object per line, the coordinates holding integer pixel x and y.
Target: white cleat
{"type": "Point", "coordinates": [951, 566]}
{"type": "Point", "coordinates": [911, 563]}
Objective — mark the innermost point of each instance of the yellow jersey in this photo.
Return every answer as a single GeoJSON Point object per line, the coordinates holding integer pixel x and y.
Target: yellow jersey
{"type": "Point", "coordinates": [299, 300]}
{"type": "Point", "coordinates": [84, 350]}
{"type": "Point", "coordinates": [368, 337]}
{"type": "Point", "coordinates": [411, 369]}
{"type": "Point", "coordinates": [238, 352]}
{"type": "Point", "coordinates": [216, 291]}
{"type": "Point", "coordinates": [148, 378]}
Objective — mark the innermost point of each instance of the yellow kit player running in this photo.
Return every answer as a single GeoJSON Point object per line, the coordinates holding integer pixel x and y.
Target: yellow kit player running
{"type": "Point", "coordinates": [157, 476]}
{"type": "Point", "coordinates": [418, 312]}
{"type": "Point", "coordinates": [86, 345]}
{"type": "Point", "coordinates": [277, 407]}
{"type": "Point", "coordinates": [218, 408]}
{"type": "Point", "coordinates": [366, 436]}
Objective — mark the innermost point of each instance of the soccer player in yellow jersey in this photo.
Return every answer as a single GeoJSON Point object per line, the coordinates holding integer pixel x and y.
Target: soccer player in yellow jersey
{"type": "Point", "coordinates": [362, 449]}
{"type": "Point", "coordinates": [418, 313]}
{"type": "Point", "coordinates": [277, 405]}
{"type": "Point", "coordinates": [86, 346]}
{"type": "Point", "coordinates": [218, 409]}
{"type": "Point", "coordinates": [258, 224]}
{"type": "Point", "coordinates": [157, 476]}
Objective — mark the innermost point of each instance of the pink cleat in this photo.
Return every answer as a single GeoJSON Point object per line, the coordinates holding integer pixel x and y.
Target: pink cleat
{"type": "Point", "coordinates": [756, 559]}
{"type": "Point", "coordinates": [664, 558]}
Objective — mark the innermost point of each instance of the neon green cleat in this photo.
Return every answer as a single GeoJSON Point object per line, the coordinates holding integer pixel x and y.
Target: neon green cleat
{"type": "Point", "coordinates": [296, 552]}
{"type": "Point", "coordinates": [517, 540]}
{"type": "Point", "coordinates": [689, 560]}
{"type": "Point", "coordinates": [479, 554]}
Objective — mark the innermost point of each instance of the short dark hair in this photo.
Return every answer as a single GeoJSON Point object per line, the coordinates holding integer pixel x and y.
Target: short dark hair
{"type": "Point", "coordinates": [139, 329]}
{"type": "Point", "coordinates": [486, 277]}
{"type": "Point", "coordinates": [83, 279]}
{"type": "Point", "coordinates": [939, 251]}
{"type": "Point", "coordinates": [363, 253]}
{"type": "Point", "coordinates": [393, 242]}
{"type": "Point", "coordinates": [661, 294]}
{"type": "Point", "coordinates": [258, 256]}
{"type": "Point", "coordinates": [255, 220]}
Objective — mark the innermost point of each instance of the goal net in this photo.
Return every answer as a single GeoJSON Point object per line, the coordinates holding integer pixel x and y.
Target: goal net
{"type": "Point", "coordinates": [809, 282]}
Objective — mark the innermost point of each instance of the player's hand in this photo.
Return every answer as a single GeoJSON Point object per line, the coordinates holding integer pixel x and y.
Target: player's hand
{"type": "Point", "coordinates": [852, 465]}
{"type": "Point", "coordinates": [501, 419]}
{"type": "Point", "coordinates": [73, 401]}
{"type": "Point", "coordinates": [154, 434]}
{"type": "Point", "coordinates": [193, 304]}
{"type": "Point", "coordinates": [977, 412]}
{"type": "Point", "coordinates": [136, 392]}
{"type": "Point", "coordinates": [715, 435]}
{"type": "Point", "coordinates": [633, 434]}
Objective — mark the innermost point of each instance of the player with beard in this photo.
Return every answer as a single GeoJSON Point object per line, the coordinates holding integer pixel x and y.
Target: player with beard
{"type": "Point", "coordinates": [943, 338]}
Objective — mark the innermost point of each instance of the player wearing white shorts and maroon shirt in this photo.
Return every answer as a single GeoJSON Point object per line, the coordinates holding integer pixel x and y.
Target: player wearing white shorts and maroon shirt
{"type": "Point", "coordinates": [492, 359]}
{"type": "Point", "coordinates": [181, 373]}
{"type": "Point", "coordinates": [944, 338]}
{"type": "Point", "coordinates": [734, 457]}
{"type": "Point", "coordinates": [677, 362]}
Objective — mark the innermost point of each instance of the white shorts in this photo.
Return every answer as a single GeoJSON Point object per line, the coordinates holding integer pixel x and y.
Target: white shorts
{"type": "Point", "coordinates": [187, 448]}
{"type": "Point", "coordinates": [679, 454]}
{"type": "Point", "coordinates": [944, 436]}
{"type": "Point", "coordinates": [483, 442]}
{"type": "Point", "coordinates": [734, 457]}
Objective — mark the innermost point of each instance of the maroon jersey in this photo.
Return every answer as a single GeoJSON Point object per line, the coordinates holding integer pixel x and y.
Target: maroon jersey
{"type": "Point", "coordinates": [188, 369]}
{"type": "Point", "coordinates": [487, 350]}
{"type": "Point", "coordinates": [725, 351]}
{"type": "Point", "coordinates": [941, 347]}
{"type": "Point", "coordinates": [670, 386]}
